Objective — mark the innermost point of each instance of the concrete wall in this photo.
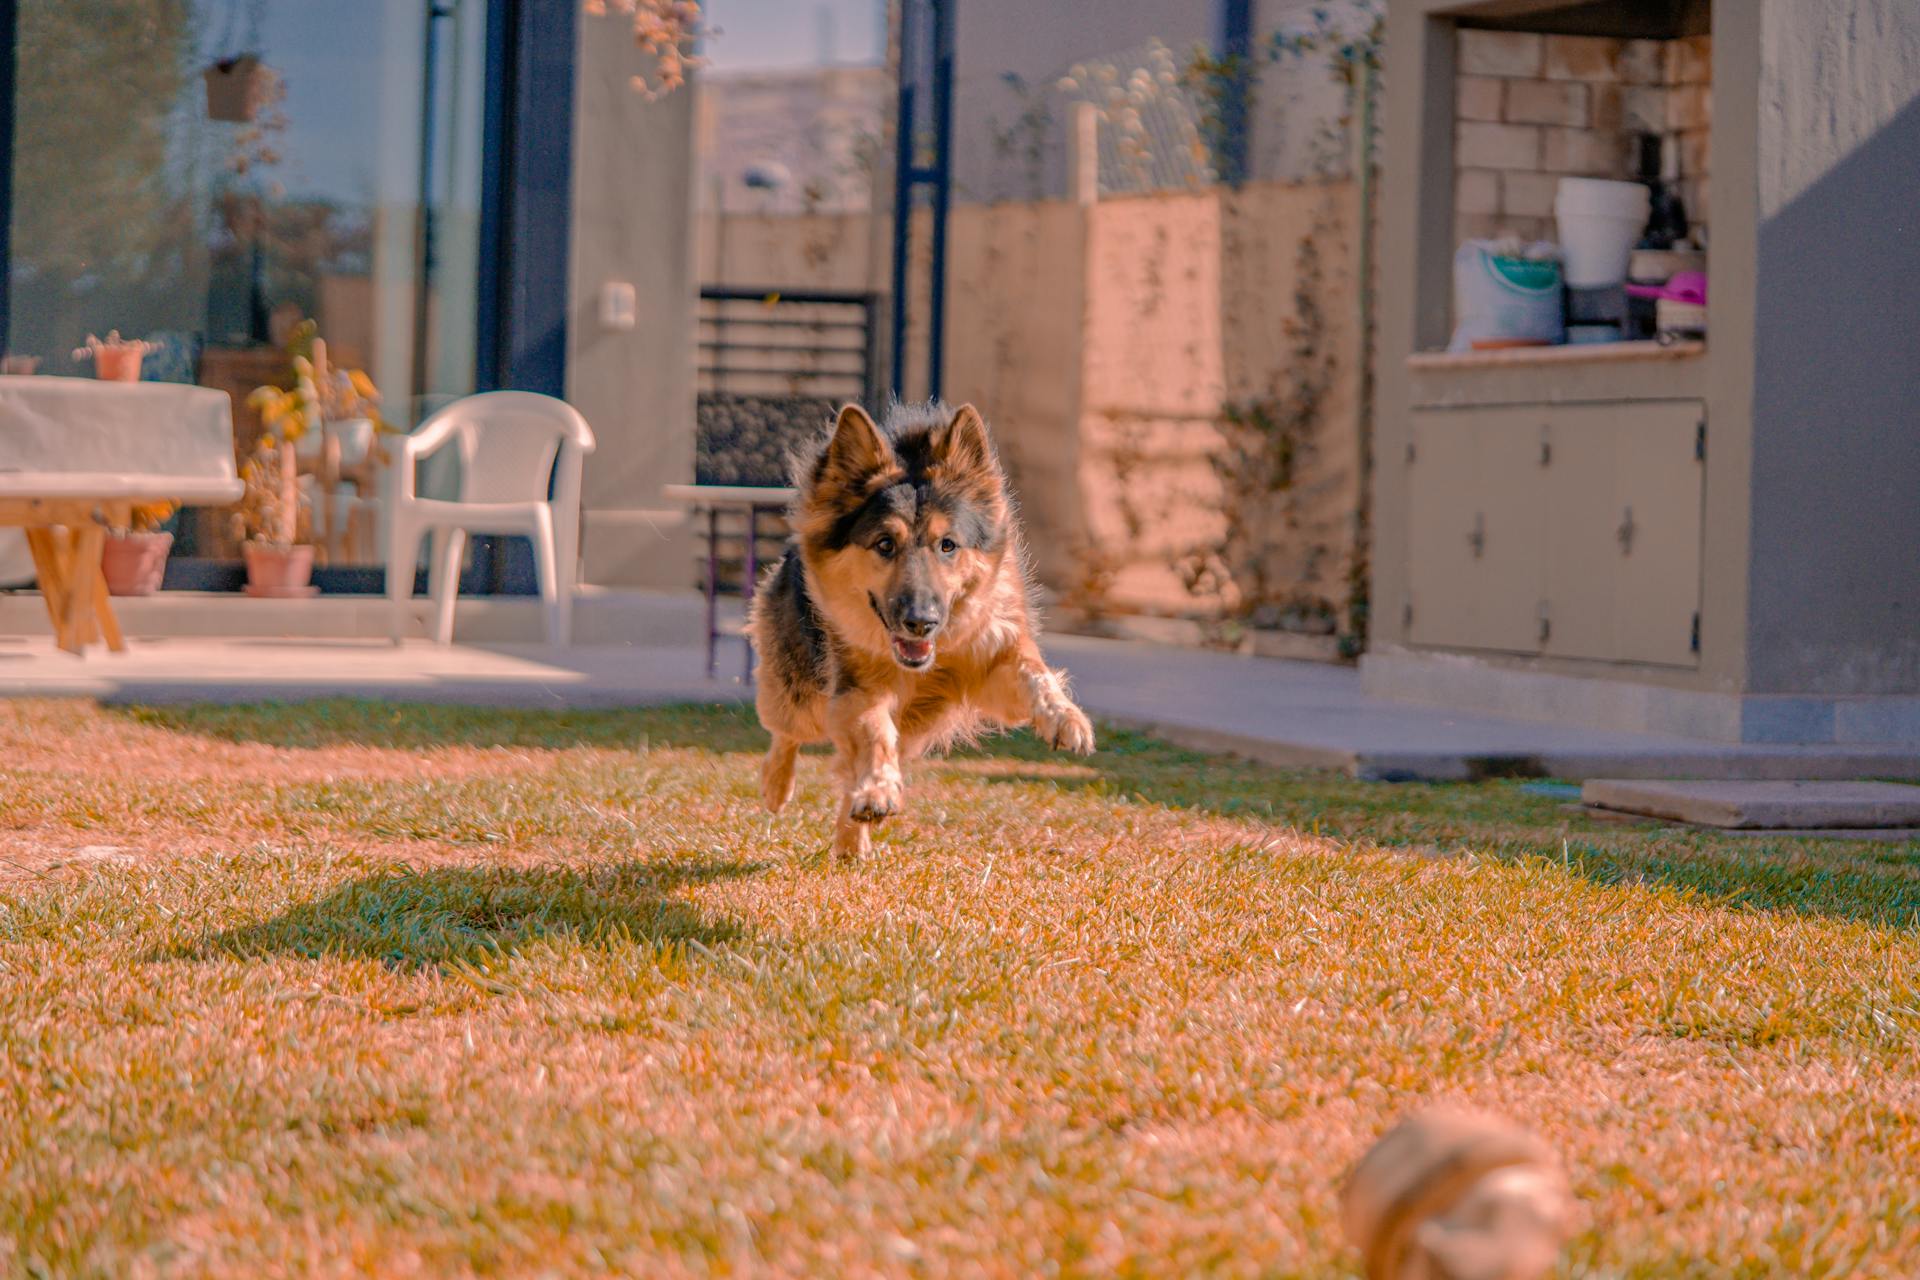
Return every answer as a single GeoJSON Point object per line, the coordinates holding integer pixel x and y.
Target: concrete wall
{"type": "Point", "coordinates": [633, 222]}
{"type": "Point", "coordinates": [1104, 342]}
{"type": "Point", "coordinates": [1835, 576]}
{"type": "Point", "coordinates": [810, 250]}
{"type": "Point", "coordinates": [1016, 347]}
{"type": "Point", "coordinates": [1192, 308]}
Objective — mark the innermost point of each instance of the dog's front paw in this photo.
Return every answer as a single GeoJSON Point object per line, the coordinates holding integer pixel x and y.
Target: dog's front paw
{"type": "Point", "coordinates": [879, 796]}
{"type": "Point", "coordinates": [1064, 727]}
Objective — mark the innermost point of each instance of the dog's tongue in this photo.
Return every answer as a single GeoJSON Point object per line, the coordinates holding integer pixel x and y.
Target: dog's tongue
{"type": "Point", "coordinates": [914, 650]}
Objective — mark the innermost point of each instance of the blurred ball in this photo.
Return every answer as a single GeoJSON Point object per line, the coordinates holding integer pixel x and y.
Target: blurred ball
{"type": "Point", "coordinates": [1457, 1195]}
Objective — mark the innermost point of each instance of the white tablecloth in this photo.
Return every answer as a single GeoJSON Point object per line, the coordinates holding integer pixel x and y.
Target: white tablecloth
{"type": "Point", "coordinates": [83, 438]}
{"type": "Point", "coordinates": [77, 437]}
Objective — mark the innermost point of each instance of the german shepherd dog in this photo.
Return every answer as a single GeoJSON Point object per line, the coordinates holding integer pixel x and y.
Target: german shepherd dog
{"type": "Point", "coordinates": [900, 619]}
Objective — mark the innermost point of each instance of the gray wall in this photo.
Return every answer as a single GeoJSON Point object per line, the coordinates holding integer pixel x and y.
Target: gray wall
{"type": "Point", "coordinates": [633, 167]}
{"type": "Point", "coordinates": [1834, 604]}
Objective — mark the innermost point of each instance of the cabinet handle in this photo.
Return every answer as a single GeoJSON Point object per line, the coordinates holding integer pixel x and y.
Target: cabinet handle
{"type": "Point", "coordinates": [1625, 532]}
{"type": "Point", "coordinates": [1477, 540]}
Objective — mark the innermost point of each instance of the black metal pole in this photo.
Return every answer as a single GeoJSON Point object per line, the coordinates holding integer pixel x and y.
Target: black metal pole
{"type": "Point", "coordinates": [9, 35]}
{"type": "Point", "coordinates": [942, 190]}
{"type": "Point", "coordinates": [1236, 119]}
{"type": "Point", "coordinates": [423, 270]}
{"type": "Point", "coordinates": [902, 197]}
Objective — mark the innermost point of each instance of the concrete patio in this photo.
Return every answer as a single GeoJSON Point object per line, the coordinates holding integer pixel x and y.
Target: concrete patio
{"type": "Point", "coordinates": [644, 649]}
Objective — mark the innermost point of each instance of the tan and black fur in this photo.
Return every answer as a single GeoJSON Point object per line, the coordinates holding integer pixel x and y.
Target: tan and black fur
{"type": "Point", "coordinates": [900, 620]}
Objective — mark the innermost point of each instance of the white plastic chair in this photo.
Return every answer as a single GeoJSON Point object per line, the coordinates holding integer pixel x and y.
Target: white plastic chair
{"type": "Point", "coordinates": [510, 442]}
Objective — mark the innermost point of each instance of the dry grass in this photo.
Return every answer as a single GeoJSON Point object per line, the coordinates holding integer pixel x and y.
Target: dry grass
{"type": "Point", "coordinates": [359, 989]}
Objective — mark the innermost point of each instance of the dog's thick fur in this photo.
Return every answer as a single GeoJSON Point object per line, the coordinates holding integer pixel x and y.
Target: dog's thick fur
{"type": "Point", "coordinates": [901, 618]}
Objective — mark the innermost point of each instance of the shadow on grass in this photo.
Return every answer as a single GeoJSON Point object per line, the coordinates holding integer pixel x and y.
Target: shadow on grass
{"type": "Point", "coordinates": [410, 919]}
{"type": "Point", "coordinates": [1872, 882]}
{"type": "Point", "coordinates": [334, 722]}
{"type": "Point", "coordinates": [1878, 884]}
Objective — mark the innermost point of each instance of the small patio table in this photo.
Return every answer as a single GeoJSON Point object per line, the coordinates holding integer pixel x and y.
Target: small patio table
{"type": "Point", "coordinates": [76, 456]}
{"type": "Point", "coordinates": [749, 501]}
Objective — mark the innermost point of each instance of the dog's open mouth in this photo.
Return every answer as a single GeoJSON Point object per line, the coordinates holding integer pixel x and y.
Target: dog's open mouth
{"type": "Point", "coordinates": [914, 655]}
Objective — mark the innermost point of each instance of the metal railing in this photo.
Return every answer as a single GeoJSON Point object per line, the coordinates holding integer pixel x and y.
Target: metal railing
{"type": "Point", "coordinates": [789, 342]}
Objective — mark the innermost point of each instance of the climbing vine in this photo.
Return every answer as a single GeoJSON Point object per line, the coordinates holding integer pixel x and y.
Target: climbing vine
{"type": "Point", "coordinates": [1266, 443]}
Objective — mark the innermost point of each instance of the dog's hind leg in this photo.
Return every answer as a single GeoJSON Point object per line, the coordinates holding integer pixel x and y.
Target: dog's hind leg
{"type": "Point", "coordinates": [776, 772]}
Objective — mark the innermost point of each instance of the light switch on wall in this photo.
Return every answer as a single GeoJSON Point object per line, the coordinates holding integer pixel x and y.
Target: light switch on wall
{"type": "Point", "coordinates": [618, 306]}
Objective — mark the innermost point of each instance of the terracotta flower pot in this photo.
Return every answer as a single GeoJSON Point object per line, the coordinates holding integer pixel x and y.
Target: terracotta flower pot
{"type": "Point", "coordinates": [117, 364]}
{"type": "Point", "coordinates": [279, 573]}
{"type": "Point", "coordinates": [134, 563]}
{"type": "Point", "coordinates": [235, 88]}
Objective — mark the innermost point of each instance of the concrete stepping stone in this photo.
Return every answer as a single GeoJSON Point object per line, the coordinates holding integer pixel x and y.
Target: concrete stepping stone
{"type": "Point", "coordinates": [1762, 806]}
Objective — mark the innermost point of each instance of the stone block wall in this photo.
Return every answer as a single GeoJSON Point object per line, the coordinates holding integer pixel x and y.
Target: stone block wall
{"type": "Point", "coordinates": [1532, 109]}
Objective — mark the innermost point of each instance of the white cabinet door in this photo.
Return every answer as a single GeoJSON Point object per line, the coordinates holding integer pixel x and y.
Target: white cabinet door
{"type": "Point", "coordinates": [1566, 530]}
{"type": "Point", "coordinates": [1475, 513]}
{"type": "Point", "coordinates": [1660, 491]}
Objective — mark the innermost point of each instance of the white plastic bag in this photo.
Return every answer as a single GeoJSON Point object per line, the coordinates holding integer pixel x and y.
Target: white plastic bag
{"type": "Point", "coordinates": [1507, 292]}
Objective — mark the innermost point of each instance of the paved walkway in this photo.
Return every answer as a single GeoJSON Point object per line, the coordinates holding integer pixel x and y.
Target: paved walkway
{"type": "Point", "coordinates": [1287, 713]}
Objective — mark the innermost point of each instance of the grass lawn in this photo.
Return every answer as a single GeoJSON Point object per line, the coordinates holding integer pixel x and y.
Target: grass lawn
{"type": "Point", "coordinates": [358, 988]}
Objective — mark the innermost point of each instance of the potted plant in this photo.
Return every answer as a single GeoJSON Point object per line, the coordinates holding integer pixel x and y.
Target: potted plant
{"type": "Point", "coordinates": [327, 415]}
{"type": "Point", "coordinates": [115, 359]}
{"type": "Point", "coordinates": [237, 87]}
{"type": "Point", "coordinates": [134, 559]}
{"type": "Point", "coordinates": [321, 402]}
{"type": "Point", "coordinates": [273, 523]}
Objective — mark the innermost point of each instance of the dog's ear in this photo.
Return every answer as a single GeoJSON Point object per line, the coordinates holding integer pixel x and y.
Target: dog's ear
{"type": "Point", "coordinates": [857, 448]}
{"type": "Point", "coordinates": [962, 444]}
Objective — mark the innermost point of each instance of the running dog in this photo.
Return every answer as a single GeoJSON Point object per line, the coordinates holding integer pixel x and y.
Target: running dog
{"type": "Point", "coordinates": [900, 619]}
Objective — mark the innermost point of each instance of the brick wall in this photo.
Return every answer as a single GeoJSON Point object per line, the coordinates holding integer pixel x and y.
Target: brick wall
{"type": "Point", "coordinates": [1532, 109]}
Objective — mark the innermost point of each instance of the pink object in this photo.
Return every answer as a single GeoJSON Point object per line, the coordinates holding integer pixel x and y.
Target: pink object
{"type": "Point", "coordinates": [134, 563]}
{"type": "Point", "coordinates": [118, 364]}
{"type": "Point", "coordinates": [1686, 286]}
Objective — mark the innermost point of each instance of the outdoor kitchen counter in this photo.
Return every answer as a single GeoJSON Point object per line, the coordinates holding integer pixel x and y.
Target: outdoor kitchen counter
{"type": "Point", "coordinates": [1602, 371]}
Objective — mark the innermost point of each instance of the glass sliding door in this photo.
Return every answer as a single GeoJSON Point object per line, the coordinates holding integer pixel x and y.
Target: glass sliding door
{"type": "Point", "coordinates": [210, 174]}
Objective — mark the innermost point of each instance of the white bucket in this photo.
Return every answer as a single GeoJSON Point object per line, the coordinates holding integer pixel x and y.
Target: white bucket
{"type": "Point", "coordinates": [1600, 222]}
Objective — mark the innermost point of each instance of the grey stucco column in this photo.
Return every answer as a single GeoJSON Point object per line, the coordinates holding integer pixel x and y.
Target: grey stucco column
{"type": "Point", "coordinates": [633, 201]}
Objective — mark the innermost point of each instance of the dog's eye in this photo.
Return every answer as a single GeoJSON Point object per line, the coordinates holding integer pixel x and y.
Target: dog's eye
{"type": "Point", "coordinates": [885, 548]}
{"type": "Point", "coordinates": [948, 546]}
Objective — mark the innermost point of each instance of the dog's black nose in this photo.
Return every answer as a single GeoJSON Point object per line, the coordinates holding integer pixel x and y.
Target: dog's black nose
{"type": "Point", "coordinates": [920, 619]}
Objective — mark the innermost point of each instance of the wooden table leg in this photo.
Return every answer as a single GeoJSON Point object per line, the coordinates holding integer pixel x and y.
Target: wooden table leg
{"type": "Point", "coordinates": [118, 515]}
{"type": "Point", "coordinates": [50, 574]}
{"type": "Point", "coordinates": [86, 544]}
{"type": "Point", "coordinates": [103, 610]}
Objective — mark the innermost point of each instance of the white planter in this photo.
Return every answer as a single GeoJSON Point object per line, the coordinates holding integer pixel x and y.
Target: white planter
{"type": "Point", "coordinates": [1599, 222]}
{"type": "Point", "coordinates": [356, 439]}
{"type": "Point", "coordinates": [354, 434]}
